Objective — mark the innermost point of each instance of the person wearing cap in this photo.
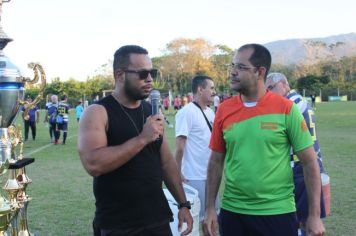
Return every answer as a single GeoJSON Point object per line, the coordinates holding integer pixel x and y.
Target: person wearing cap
{"type": "Point", "coordinates": [278, 84]}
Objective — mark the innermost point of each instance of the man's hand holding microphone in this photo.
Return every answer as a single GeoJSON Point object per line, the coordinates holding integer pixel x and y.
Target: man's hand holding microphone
{"type": "Point", "coordinates": [153, 128]}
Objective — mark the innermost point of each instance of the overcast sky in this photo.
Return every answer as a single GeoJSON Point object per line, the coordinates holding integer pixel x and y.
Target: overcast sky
{"type": "Point", "coordinates": [72, 38]}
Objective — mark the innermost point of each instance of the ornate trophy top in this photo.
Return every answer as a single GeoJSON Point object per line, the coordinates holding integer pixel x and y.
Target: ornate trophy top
{"type": "Point", "coordinates": [4, 39]}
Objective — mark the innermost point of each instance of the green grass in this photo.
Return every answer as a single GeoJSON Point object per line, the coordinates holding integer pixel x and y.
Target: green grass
{"type": "Point", "coordinates": [63, 202]}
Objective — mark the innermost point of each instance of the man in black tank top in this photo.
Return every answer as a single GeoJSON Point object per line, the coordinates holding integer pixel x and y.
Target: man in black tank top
{"type": "Point", "coordinates": [123, 147]}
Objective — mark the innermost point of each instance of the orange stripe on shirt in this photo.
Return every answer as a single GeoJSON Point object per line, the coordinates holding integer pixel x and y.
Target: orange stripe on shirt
{"type": "Point", "coordinates": [233, 111]}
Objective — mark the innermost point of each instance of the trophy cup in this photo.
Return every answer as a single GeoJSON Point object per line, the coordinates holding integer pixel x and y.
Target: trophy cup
{"type": "Point", "coordinates": [11, 97]}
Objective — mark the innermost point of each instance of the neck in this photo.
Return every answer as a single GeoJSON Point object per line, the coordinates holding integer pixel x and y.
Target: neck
{"type": "Point", "coordinates": [122, 98]}
{"type": "Point", "coordinates": [201, 103]}
{"type": "Point", "coordinates": [254, 96]}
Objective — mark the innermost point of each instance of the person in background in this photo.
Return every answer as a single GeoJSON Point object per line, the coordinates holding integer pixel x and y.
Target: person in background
{"type": "Point", "coordinates": [184, 100]}
{"type": "Point", "coordinates": [166, 103]}
{"type": "Point", "coordinates": [176, 103]}
{"type": "Point", "coordinates": [313, 97]}
{"type": "Point", "coordinates": [124, 148]}
{"type": "Point", "coordinates": [79, 110]}
{"type": "Point", "coordinates": [193, 135]}
{"type": "Point", "coordinates": [62, 120]}
{"type": "Point", "coordinates": [251, 140]}
{"type": "Point", "coordinates": [190, 97]}
{"type": "Point", "coordinates": [51, 115]}
{"type": "Point", "coordinates": [34, 116]}
{"type": "Point", "coordinates": [278, 84]}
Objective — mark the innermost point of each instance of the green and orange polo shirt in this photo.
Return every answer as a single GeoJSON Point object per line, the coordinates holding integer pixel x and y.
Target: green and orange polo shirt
{"type": "Point", "coordinates": [256, 142]}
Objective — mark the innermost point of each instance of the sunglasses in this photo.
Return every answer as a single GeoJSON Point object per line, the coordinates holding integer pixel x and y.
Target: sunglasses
{"type": "Point", "coordinates": [143, 74]}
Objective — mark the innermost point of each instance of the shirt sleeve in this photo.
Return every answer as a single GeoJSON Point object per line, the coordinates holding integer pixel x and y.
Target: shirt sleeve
{"type": "Point", "coordinates": [183, 123]}
{"type": "Point", "coordinates": [297, 130]}
{"type": "Point", "coordinates": [217, 142]}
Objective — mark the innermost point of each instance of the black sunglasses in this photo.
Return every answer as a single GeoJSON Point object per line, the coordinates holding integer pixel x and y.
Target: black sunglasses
{"type": "Point", "coordinates": [143, 74]}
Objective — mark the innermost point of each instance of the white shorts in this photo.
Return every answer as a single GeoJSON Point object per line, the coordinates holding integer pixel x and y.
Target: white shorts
{"type": "Point", "coordinates": [200, 186]}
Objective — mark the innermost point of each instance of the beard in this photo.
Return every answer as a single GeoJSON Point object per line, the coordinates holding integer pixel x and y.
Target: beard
{"type": "Point", "coordinates": [132, 92]}
{"type": "Point", "coordinates": [245, 87]}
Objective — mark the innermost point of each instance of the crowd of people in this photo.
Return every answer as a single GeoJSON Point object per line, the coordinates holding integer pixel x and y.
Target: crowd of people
{"type": "Point", "coordinates": [262, 140]}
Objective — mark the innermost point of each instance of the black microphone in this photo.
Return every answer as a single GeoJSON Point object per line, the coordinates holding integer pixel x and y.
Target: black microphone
{"type": "Point", "coordinates": [155, 98]}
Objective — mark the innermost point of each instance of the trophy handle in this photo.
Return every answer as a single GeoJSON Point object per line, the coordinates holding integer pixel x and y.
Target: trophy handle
{"type": "Point", "coordinates": [37, 68]}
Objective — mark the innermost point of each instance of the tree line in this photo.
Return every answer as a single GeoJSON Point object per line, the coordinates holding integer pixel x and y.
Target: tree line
{"type": "Point", "coordinates": [184, 58]}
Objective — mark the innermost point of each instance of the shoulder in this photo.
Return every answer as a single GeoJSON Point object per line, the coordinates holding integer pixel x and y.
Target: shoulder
{"type": "Point", "coordinates": [229, 104]}
{"type": "Point", "coordinates": [188, 109]}
{"type": "Point", "coordinates": [274, 99]}
{"type": "Point", "coordinates": [95, 112]}
{"type": "Point", "coordinates": [298, 100]}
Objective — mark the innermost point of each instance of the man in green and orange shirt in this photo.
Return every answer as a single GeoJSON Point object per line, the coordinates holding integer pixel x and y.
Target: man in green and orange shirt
{"type": "Point", "coordinates": [250, 142]}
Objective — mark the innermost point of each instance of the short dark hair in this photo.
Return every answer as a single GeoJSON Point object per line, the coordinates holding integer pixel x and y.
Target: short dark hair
{"type": "Point", "coordinates": [260, 57]}
{"type": "Point", "coordinates": [122, 56]}
{"type": "Point", "coordinates": [199, 81]}
{"type": "Point", "coordinates": [64, 97]}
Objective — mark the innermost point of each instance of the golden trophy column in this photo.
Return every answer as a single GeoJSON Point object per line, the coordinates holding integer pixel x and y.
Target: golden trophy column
{"type": "Point", "coordinates": [12, 87]}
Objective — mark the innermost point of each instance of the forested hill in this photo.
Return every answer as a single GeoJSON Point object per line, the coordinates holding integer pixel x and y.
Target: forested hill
{"type": "Point", "coordinates": [313, 50]}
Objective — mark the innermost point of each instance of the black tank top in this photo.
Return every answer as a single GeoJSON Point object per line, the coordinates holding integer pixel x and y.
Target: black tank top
{"type": "Point", "coordinates": [131, 195]}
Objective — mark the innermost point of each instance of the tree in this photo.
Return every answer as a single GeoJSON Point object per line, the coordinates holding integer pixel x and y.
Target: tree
{"type": "Point", "coordinates": [184, 58]}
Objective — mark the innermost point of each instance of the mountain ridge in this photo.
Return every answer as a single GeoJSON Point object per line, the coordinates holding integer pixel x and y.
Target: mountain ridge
{"type": "Point", "coordinates": [312, 50]}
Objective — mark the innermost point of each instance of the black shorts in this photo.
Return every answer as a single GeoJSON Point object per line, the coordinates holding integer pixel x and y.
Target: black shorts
{"type": "Point", "coordinates": [63, 126]}
{"type": "Point", "coordinates": [235, 224]}
{"type": "Point", "coordinates": [154, 230]}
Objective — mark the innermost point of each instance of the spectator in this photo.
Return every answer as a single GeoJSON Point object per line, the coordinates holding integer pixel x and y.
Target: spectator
{"type": "Point", "coordinates": [32, 119]}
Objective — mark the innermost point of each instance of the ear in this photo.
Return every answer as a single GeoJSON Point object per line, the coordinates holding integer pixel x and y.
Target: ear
{"type": "Point", "coordinates": [200, 88]}
{"type": "Point", "coordinates": [262, 72]}
{"type": "Point", "coordinates": [119, 75]}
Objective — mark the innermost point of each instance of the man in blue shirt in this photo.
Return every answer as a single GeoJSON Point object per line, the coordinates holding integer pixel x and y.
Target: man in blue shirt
{"type": "Point", "coordinates": [51, 114]}
{"type": "Point", "coordinates": [31, 122]}
{"type": "Point", "coordinates": [79, 110]}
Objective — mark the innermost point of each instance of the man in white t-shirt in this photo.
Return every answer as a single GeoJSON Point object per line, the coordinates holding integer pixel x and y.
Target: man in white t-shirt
{"type": "Point", "coordinates": [193, 131]}
{"type": "Point", "coordinates": [216, 102]}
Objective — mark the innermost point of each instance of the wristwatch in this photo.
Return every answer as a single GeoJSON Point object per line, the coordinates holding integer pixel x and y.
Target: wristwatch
{"type": "Point", "coordinates": [185, 204]}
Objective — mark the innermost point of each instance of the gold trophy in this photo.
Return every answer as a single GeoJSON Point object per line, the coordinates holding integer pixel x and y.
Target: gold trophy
{"type": "Point", "coordinates": [12, 85]}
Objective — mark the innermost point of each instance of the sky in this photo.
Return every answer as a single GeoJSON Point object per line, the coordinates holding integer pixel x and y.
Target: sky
{"type": "Point", "coordinates": [73, 38]}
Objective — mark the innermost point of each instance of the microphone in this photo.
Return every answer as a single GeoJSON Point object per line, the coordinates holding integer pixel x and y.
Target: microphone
{"type": "Point", "coordinates": [155, 98]}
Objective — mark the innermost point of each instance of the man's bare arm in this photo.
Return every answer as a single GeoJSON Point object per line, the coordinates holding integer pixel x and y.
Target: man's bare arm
{"type": "Point", "coordinates": [97, 158]}
{"type": "Point", "coordinates": [180, 144]}
{"type": "Point", "coordinates": [215, 169]}
{"type": "Point", "coordinates": [312, 181]}
{"type": "Point", "coordinates": [172, 179]}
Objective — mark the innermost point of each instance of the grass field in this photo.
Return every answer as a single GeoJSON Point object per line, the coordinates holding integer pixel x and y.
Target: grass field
{"type": "Point", "coordinates": [63, 203]}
